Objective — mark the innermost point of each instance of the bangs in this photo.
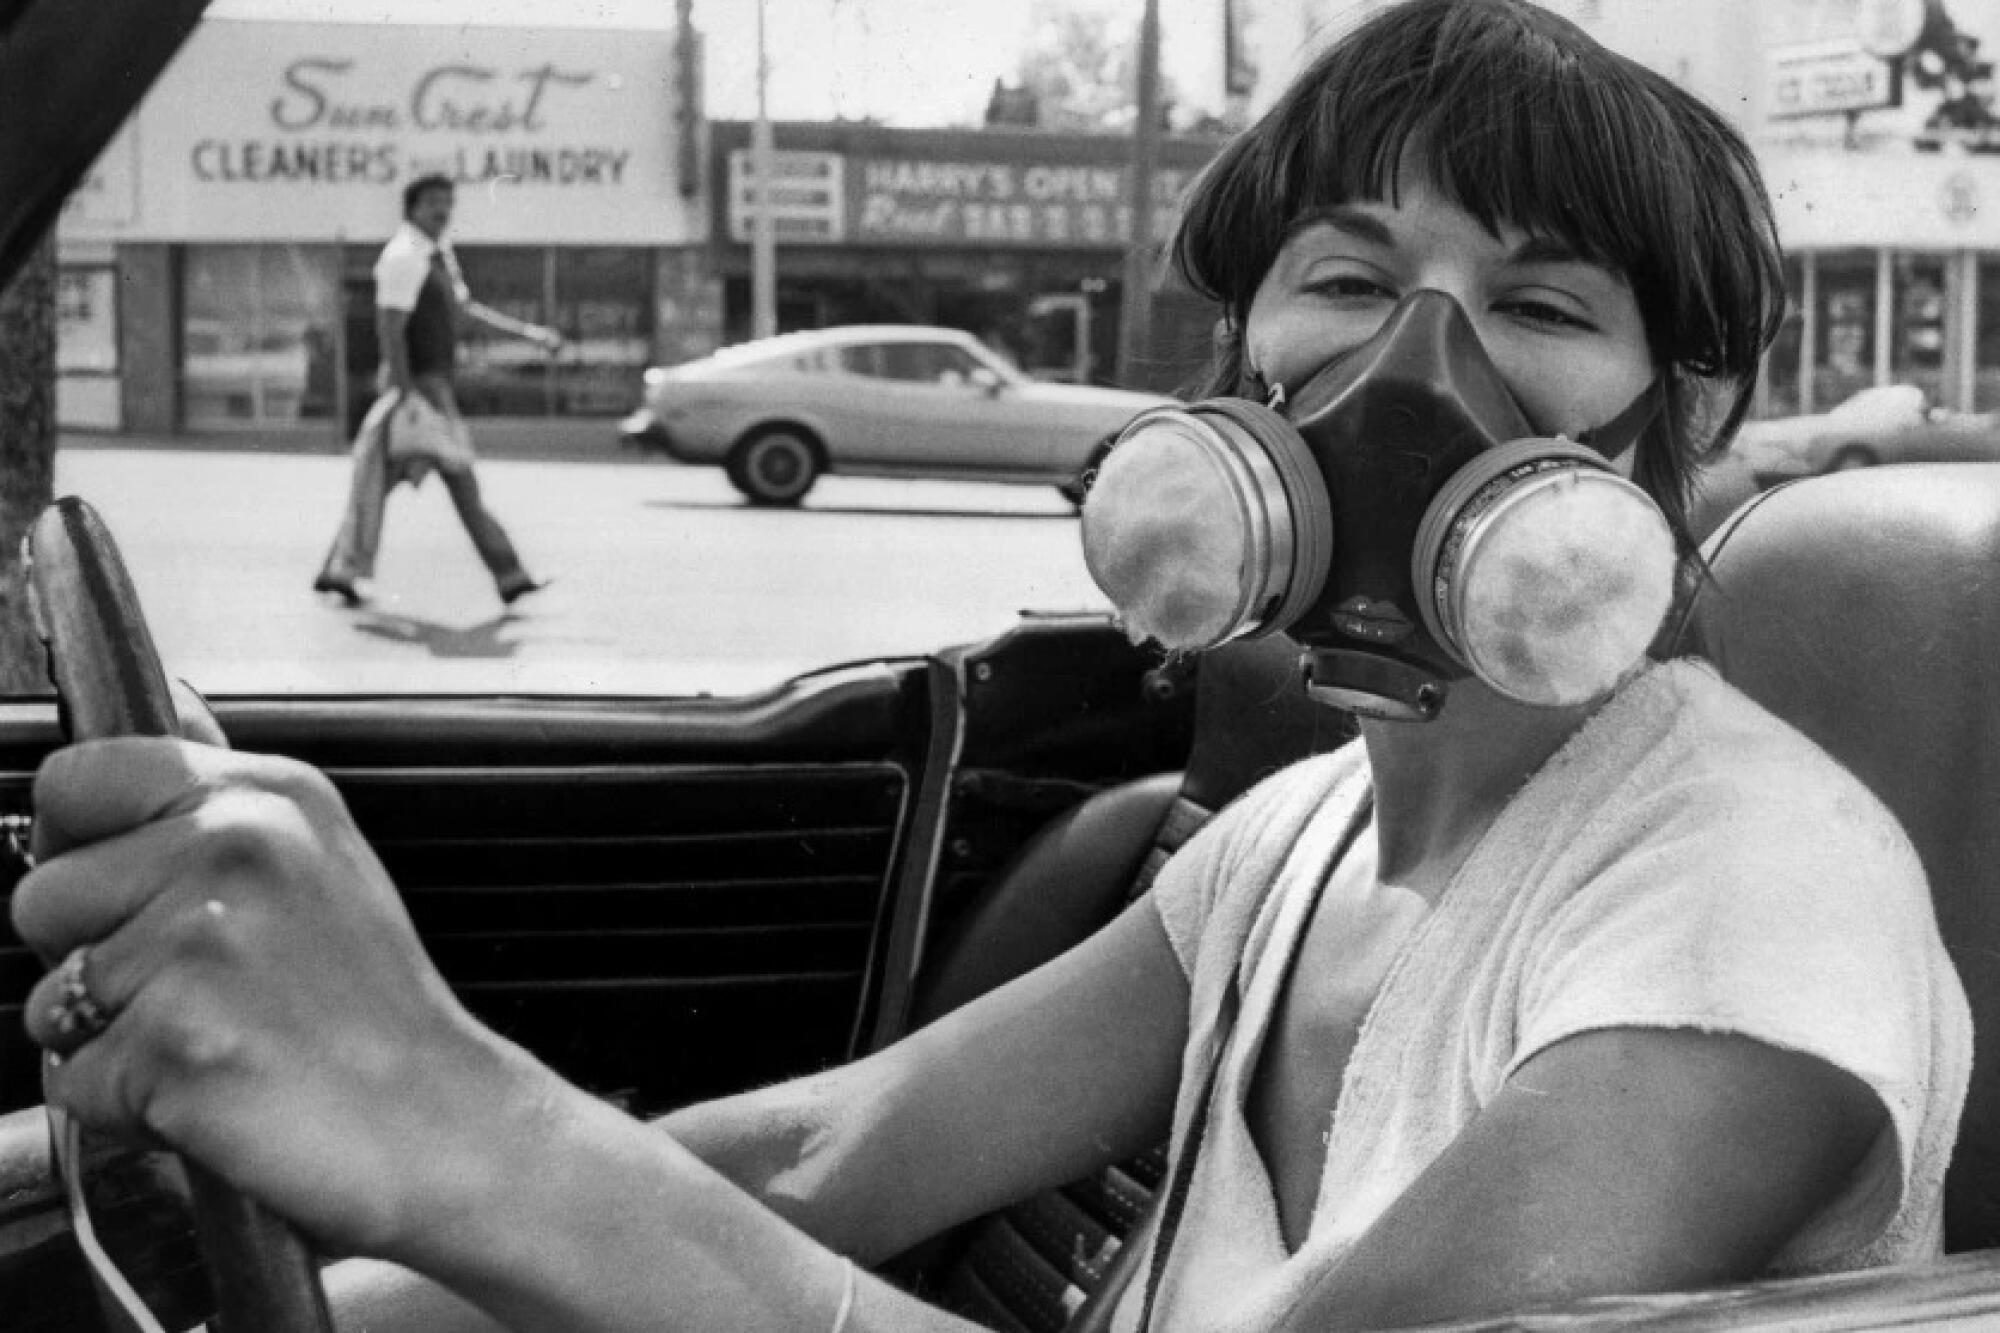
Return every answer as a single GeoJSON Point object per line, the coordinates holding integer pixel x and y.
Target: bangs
{"type": "Point", "coordinates": [1519, 118]}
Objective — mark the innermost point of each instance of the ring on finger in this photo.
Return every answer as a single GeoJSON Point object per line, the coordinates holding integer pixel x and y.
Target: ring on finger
{"type": "Point", "coordinates": [77, 1015]}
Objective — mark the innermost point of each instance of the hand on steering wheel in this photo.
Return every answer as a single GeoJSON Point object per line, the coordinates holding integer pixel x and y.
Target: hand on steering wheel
{"type": "Point", "coordinates": [239, 978]}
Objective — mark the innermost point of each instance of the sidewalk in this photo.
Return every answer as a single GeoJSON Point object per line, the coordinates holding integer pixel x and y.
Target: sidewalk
{"type": "Point", "coordinates": [525, 439]}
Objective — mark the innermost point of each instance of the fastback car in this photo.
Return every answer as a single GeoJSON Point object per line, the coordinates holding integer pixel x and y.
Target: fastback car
{"type": "Point", "coordinates": [886, 400]}
{"type": "Point", "coordinates": [1892, 423]}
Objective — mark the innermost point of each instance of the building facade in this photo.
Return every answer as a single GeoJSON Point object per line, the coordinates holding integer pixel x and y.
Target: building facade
{"type": "Point", "coordinates": [215, 267]}
{"type": "Point", "coordinates": [1878, 131]}
{"type": "Point", "coordinates": [1880, 139]}
{"type": "Point", "coordinates": [1018, 236]}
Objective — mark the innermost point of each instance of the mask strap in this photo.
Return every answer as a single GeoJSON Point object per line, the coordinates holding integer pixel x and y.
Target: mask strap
{"type": "Point", "coordinates": [1620, 433]}
{"type": "Point", "coordinates": [1257, 389]}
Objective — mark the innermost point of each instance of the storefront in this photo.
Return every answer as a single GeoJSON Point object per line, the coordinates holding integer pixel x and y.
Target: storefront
{"type": "Point", "coordinates": [1016, 236]}
{"type": "Point", "coordinates": [216, 265]}
{"type": "Point", "coordinates": [1880, 139]}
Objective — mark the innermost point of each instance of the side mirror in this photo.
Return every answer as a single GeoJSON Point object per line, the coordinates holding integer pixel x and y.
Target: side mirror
{"type": "Point", "coordinates": [985, 377]}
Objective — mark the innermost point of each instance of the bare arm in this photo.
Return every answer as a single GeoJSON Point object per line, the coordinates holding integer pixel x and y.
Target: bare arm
{"type": "Point", "coordinates": [507, 324]}
{"type": "Point", "coordinates": [603, 1227]}
{"type": "Point", "coordinates": [392, 331]}
{"type": "Point", "coordinates": [1617, 1161]}
{"type": "Point", "coordinates": [952, 1121]}
{"type": "Point", "coordinates": [1060, 1071]}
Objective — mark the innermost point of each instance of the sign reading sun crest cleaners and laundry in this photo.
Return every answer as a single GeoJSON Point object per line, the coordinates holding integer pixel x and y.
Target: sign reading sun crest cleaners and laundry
{"type": "Point", "coordinates": [295, 131]}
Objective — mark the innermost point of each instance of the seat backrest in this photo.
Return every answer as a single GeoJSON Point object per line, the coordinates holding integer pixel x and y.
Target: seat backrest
{"type": "Point", "coordinates": [1031, 1266]}
{"type": "Point", "coordinates": [1864, 609]}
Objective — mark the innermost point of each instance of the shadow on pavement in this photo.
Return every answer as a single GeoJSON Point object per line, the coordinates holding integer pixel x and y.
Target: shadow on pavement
{"type": "Point", "coordinates": [897, 511]}
{"type": "Point", "coordinates": [466, 641]}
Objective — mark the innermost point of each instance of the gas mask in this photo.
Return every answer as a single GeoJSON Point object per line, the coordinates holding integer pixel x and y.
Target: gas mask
{"type": "Point", "coordinates": [1400, 517]}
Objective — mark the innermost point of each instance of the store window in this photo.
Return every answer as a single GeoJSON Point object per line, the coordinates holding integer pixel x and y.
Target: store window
{"type": "Point", "coordinates": [258, 335]}
{"type": "Point", "coordinates": [87, 388]}
{"type": "Point", "coordinates": [1844, 359]}
{"type": "Point", "coordinates": [500, 375]}
{"type": "Point", "coordinates": [1917, 330]}
{"type": "Point", "coordinates": [600, 299]}
{"type": "Point", "coordinates": [87, 320]}
{"type": "Point", "coordinates": [1986, 337]}
{"type": "Point", "coordinates": [604, 308]}
{"type": "Point", "coordinates": [1783, 394]}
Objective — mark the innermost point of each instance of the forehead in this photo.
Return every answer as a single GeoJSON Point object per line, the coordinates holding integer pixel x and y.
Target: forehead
{"type": "Point", "coordinates": [1422, 220]}
{"type": "Point", "coordinates": [1423, 186]}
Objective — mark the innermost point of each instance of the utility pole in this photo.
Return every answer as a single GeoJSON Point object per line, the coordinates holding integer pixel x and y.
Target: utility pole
{"type": "Point", "coordinates": [763, 236]}
{"type": "Point", "coordinates": [1135, 313]}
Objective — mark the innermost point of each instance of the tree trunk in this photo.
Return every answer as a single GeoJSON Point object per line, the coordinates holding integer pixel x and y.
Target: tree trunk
{"type": "Point", "coordinates": [27, 453]}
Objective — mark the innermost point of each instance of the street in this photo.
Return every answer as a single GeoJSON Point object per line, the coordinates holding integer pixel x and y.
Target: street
{"type": "Point", "coordinates": [665, 581]}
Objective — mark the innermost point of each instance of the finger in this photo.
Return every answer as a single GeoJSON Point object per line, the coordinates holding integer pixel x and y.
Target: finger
{"type": "Point", "coordinates": [111, 1083]}
{"type": "Point", "coordinates": [95, 789]}
{"type": "Point", "coordinates": [62, 1012]}
{"type": "Point", "coordinates": [93, 1087]}
{"type": "Point", "coordinates": [88, 892]}
{"type": "Point", "coordinates": [114, 970]}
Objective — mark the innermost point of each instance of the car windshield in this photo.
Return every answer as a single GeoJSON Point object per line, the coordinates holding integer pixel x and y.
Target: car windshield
{"type": "Point", "coordinates": [932, 207]}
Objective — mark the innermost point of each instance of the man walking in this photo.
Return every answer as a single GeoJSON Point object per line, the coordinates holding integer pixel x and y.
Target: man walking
{"type": "Point", "coordinates": [420, 295]}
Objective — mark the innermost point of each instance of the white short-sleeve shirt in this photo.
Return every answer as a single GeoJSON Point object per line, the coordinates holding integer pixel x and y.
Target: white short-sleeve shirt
{"type": "Point", "coordinates": [405, 265]}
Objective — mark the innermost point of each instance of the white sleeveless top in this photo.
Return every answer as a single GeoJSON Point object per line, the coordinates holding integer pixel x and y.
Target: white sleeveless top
{"type": "Point", "coordinates": [1796, 914]}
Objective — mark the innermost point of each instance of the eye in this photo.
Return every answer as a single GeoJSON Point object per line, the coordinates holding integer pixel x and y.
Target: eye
{"type": "Point", "coordinates": [1544, 313]}
{"type": "Point", "coordinates": [1348, 287]}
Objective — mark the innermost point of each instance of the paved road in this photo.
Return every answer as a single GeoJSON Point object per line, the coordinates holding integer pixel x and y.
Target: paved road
{"type": "Point", "coordinates": [665, 582]}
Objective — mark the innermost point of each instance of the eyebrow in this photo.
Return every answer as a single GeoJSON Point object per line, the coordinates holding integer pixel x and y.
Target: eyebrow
{"type": "Point", "coordinates": [1548, 250]}
{"type": "Point", "coordinates": [1343, 217]}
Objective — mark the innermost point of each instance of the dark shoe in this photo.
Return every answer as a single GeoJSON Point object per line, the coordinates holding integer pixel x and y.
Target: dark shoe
{"type": "Point", "coordinates": [349, 590]}
{"type": "Point", "coordinates": [513, 590]}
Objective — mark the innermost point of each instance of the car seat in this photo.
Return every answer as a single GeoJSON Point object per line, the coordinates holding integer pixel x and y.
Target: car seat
{"type": "Point", "coordinates": [1864, 609]}
{"type": "Point", "coordinates": [1029, 1268]}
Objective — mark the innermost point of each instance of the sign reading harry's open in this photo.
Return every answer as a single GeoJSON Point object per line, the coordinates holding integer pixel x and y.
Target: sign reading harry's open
{"type": "Point", "coordinates": [832, 198]}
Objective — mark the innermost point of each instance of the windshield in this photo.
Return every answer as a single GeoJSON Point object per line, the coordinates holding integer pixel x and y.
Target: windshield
{"type": "Point", "coordinates": [355, 316]}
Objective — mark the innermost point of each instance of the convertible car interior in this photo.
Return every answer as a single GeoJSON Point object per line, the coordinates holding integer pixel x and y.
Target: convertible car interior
{"type": "Point", "coordinates": [670, 899]}
{"type": "Point", "coordinates": [673, 899]}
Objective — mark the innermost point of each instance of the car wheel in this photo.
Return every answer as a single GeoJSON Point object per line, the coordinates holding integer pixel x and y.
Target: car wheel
{"type": "Point", "coordinates": [775, 467]}
{"type": "Point", "coordinates": [1852, 456]}
{"type": "Point", "coordinates": [1078, 486]}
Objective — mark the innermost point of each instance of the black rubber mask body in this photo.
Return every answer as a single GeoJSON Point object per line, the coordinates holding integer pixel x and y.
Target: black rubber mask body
{"type": "Point", "coordinates": [1389, 423]}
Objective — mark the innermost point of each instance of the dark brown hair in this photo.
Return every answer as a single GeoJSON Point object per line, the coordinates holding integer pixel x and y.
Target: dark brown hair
{"type": "Point", "coordinates": [1519, 116]}
{"type": "Point", "coordinates": [414, 192]}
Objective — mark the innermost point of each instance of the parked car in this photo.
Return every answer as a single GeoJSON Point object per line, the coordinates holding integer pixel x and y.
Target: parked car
{"type": "Point", "coordinates": [886, 400]}
{"type": "Point", "coordinates": [1889, 424]}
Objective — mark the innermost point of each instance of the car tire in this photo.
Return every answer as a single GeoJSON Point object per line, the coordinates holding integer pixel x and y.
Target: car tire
{"type": "Point", "coordinates": [775, 467]}
{"type": "Point", "coordinates": [1851, 456]}
{"type": "Point", "coordinates": [1078, 486]}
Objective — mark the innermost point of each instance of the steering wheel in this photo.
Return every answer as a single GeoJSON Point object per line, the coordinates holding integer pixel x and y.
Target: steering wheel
{"type": "Point", "coordinates": [109, 682]}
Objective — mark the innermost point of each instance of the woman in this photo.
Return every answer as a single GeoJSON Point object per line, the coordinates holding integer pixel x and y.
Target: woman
{"type": "Point", "coordinates": [1609, 1044]}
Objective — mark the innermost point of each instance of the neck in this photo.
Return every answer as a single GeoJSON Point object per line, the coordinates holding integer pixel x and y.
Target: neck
{"type": "Point", "coordinates": [1440, 784]}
